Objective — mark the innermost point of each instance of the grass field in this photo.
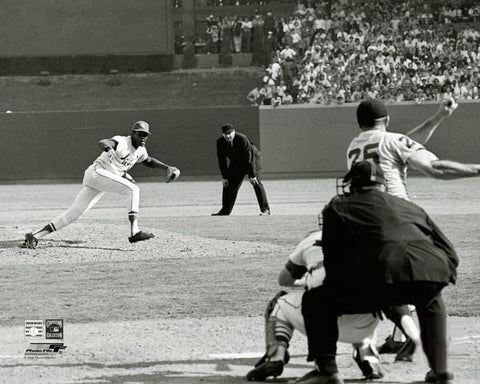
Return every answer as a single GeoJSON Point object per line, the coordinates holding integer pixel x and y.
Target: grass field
{"type": "Point", "coordinates": [219, 87]}
{"type": "Point", "coordinates": [186, 307]}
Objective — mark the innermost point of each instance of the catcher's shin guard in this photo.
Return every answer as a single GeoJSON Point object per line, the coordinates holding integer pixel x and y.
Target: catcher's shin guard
{"type": "Point", "coordinates": [277, 333]}
{"type": "Point", "coordinates": [368, 360]}
{"type": "Point", "coordinates": [271, 321]}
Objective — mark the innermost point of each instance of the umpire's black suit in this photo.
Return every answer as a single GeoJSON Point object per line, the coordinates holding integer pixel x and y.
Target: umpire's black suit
{"type": "Point", "coordinates": [235, 161]}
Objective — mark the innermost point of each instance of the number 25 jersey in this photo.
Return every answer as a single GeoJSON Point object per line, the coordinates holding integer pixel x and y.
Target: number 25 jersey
{"type": "Point", "coordinates": [390, 152]}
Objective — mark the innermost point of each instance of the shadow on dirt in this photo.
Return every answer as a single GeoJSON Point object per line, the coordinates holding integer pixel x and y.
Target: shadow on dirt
{"type": "Point", "coordinates": [77, 244]}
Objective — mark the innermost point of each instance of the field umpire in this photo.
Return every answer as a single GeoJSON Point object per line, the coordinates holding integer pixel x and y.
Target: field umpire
{"type": "Point", "coordinates": [237, 158]}
{"type": "Point", "coordinates": [379, 250]}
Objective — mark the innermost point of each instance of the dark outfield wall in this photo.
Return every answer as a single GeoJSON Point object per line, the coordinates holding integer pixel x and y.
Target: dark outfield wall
{"type": "Point", "coordinates": [302, 140]}
{"type": "Point", "coordinates": [60, 145]}
{"type": "Point", "coordinates": [85, 27]}
{"type": "Point", "coordinates": [295, 141]}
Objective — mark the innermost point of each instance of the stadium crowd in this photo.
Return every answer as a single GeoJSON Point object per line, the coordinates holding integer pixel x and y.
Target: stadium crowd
{"type": "Point", "coordinates": [346, 50]}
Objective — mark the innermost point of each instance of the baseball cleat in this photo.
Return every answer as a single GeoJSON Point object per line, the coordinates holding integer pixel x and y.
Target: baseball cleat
{"type": "Point", "coordinates": [265, 213]}
{"type": "Point", "coordinates": [141, 236]}
{"type": "Point", "coordinates": [266, 369]}
{"type": "Point", "coordinates": [369, 363]}
{"type": "Point", "coordinates": [30, 241]}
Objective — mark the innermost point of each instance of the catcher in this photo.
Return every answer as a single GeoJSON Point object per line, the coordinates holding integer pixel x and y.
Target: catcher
{"type": "Point", "coordinates": [284, 315]}
{"type": "Point", "coordinates": [108, 173]}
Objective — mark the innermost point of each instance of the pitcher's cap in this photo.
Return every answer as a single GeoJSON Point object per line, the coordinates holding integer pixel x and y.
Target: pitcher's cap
{"type": "Point", "coordinates": [370, 110]}
{"type": "Point", "coordinates": [141, 126]}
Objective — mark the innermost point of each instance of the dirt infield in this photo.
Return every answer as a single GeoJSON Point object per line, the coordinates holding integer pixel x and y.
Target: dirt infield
{"type": "Point", "coordinates": [186, 307]}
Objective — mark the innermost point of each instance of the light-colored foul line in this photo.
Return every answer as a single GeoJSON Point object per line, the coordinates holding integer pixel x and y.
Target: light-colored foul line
{"type": "Point", "coordinates": [465, 340]}
{"type": "Point", "coordinates": [241, 355]}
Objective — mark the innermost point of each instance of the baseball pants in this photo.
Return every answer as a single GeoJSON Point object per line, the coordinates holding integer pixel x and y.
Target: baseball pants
{"type": "Point", "coordinates": [320, 308]}
{"type": "Point", "coordinates": [353, 329]}
{"type": "Point", "coordinates": [96, 182]}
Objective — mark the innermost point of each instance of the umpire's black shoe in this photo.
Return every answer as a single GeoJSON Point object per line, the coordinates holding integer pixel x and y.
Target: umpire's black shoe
{"type": "Point", "coordinates": [141, 236]}
{"type": "Point", "coordinates": [406, 352]}
{"type": "Point", "coordinates": [442, 378]}
{"type": "Point", "coordinates": [315, 377]}
{"type": "Point", "coordinates": [266, 212]}
{"type": "Point", "coordinates": [219, 213]}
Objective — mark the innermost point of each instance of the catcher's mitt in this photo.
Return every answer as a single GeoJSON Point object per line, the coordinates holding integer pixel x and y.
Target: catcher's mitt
{"type": "Point", "coordinates": [173, 174]}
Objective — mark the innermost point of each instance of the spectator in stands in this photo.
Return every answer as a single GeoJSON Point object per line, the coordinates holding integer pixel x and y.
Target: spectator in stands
{"type": "Point", "coordinates": [257, 40]}
{"type": "Point", "coordinates": [287, 98]}
{"type": "Point", "coordinates": [213, 31]}
{"type": "Point", "coordinates": [246, 35]}
{"type": "Point", "coordinates": [388, 49]}
{"type": "Point", "coordinates": [276, 69]}
{"type": "Point", "coordinates": [288, 53]}
{"type": "Point", "coordinates": [270, 47]}
{"type": "Point", "coordinates": [237, 35]}
{"type": "Point", "coordinates": [266, 94]}
{"type": "Point", "coordinates": [254, 96]}
{"type": "Point", "coordinates": [269, 80]}
{"type": "Point", "coordinates": [270, 25]}
{"type": "Point", "coordinates": [276, 100]}
{"type": "Point", "coordinates": [226, 24]}
{"type": "Point", "coordinates": [280, 33]}
{"type": "Point", "coordinates": [282, 89]}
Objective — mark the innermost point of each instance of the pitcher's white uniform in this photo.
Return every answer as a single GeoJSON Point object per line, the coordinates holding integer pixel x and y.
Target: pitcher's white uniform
{"type": "Point", "coordinates": [390, 152]}
{"type": "Point", "coordinates": [354, 329]}
{"type": "Point", "coordinates": [105, 175]}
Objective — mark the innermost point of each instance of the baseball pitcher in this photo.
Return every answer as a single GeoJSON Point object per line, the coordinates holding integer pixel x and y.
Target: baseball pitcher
{"type": "Point", "coordinates": [108, 173]}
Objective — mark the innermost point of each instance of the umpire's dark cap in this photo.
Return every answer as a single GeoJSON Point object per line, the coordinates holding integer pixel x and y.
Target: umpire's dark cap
{"type": "Point", "coordinates": [227, 128]}
{"type": "Point", "coordinates": [141, 126]}
{"type": "Point", "coordinates": [369, 110]}
{"type": "Point", "coordinates": [362, 174]}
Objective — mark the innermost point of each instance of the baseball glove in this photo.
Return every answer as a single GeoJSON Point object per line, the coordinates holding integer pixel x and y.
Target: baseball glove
{"type": "Point", "coordinates": [173, 173]}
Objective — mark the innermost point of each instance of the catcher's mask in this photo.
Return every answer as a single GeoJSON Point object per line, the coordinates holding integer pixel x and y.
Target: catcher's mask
{"type": "Point", "coordinates": [362, 175]}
